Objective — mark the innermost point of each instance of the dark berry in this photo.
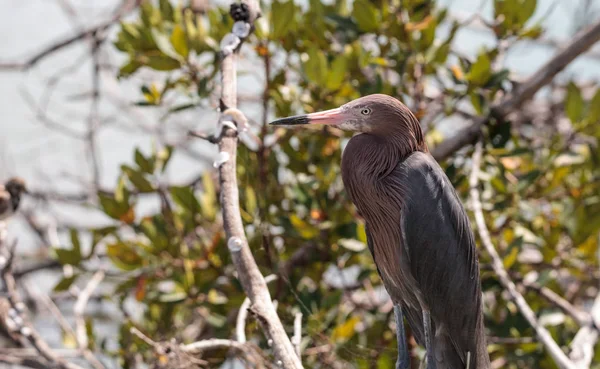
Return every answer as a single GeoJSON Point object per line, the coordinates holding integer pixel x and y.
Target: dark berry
{"type": "Point", "coordinates": [239, 12]}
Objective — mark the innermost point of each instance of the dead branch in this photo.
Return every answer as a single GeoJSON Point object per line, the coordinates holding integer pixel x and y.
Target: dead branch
{"type": "Point", "coordinates": [559, 357]}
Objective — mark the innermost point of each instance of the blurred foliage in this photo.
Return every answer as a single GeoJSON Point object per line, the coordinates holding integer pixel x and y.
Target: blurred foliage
{"type": "Point", "coordinates": [541, 185]}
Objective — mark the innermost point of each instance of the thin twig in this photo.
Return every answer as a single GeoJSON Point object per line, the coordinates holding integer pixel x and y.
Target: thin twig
{"type": "Point", "coordinates": [559, 357]}
{"type": "Point", "coordinates": [210, 138]}
{"type": "Point", "coordinates": [213, 344]}
{"type": "Point", "coordinates": [142, 336]}
{"type": "Point", "coordinates": [582, 318]}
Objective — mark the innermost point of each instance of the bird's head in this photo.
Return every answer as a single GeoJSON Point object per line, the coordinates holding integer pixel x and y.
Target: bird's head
{"type": "Point", "coordinates": [375, 114]}
{"type": "Point", "coordinates": [16, 186]}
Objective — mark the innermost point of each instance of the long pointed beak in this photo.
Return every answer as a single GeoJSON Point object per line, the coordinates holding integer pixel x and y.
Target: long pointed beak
{"type": "Point", "coordinates": [330, 117]}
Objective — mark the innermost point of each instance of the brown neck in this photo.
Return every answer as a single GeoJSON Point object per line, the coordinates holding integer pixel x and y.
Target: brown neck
{"type": "Point", "coordinates": [391, 144]}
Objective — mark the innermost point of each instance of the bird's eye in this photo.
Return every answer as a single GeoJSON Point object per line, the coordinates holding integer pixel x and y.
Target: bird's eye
{"type": "Point", "coordinates": [365, 111]}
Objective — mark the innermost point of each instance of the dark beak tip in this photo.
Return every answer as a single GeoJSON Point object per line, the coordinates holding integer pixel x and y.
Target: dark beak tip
{"type": "Point", "coordinates": [290, 121]}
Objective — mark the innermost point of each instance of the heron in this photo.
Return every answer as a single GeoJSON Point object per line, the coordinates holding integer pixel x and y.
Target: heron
{"type": "Point", "coordinates": [418, 232]}
{"type": "Point", "coordinates": [10, 196]}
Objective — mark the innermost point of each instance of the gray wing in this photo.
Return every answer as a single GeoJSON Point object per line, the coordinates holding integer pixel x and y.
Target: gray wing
{"type": "Point", "coordinates": [441, 247]}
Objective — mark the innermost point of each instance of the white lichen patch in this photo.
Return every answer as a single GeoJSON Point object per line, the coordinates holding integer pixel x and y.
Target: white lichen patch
{"type": "Point", "coordinates": [241, 29]}
{"type": "Point", "coordinates": [229, 43]}
{"type": "Point", "coordinates": [222, 158]}
{"type": "Point", "coordinates": [234, 244]}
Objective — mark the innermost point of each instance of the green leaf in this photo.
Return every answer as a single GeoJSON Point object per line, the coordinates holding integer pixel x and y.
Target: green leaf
{"type": "Point", "coordinates": [526, 10]}
{"type": "Point", "coordinates": [345, 330]}
{"type": "Point", "coordinates": [184, 197]}
{"type": "Point", "coordinates": [129, 68]}
{"type": "Point", "coordinates": [144, 164]}
{"type": "Point", "coordinates": [385, 361]}
{"type": "Point", "coordinates": [497, 78]}
{"type": "Point", "coordinates": [365, 15]}
{"type": "Point", "coordinates": [528, 179]}
{"type": "Point", "coordinates": [166, 10]}
{"type": "Point", "coordinates": [305, 230]}
{"type": "Point", "coordinates": [480, 70]}
{"type": "Point", "coordinates": [574, 104]}
{"type": "Point", "coordinates": [124, 255]}
{"type": "Point", "coordinates": [65, 256]}
{"type": "Point", "coordinates": [162, 63]}
{"type": "Point", "coordinates": [137, 179]}
{"type": "Point", "coordinates": [338, 73]}
{"type": "Point", "coordinates": [594, 113]}
{"type": "Point", "coordinates": [511, 258]}
{"type": "Point", "coordinates": [179, 41]}
{"type": "Point", "coordinates": [121, 192]}
{"type": "Point", "coordinates": [111, 207]}
{"type": "Point", "coordinates": [250, 200]}
{"type": "Point", "coordinates": [65, 283]}
{"type": "Point", "coordinates": [209, 197]}
{"type": "Point", "coordinates": [163, 157]}
{"type": "Point", "coordinates": [477, 100]}
{"type": "Point", "coordinates": [75, 242]}
{"type": "Point", "coordinates": [282, 18]}
{"type": "Point", "coordinates": [315, 67]}
{"type": "Point", "coordinates": [164, 44]}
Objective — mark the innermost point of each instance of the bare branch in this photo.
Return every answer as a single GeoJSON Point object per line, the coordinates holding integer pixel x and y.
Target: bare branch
{"type": "Point", "coordinates": [122, 10]}
{"type": "Point", "coordinates": [19, 313]}
{"type": "Point", "coordinates": [559, 357]}
{"type": "Point", "coordinates": [248, 273]}
{"type": "Point", "coordinates": [525, 91]}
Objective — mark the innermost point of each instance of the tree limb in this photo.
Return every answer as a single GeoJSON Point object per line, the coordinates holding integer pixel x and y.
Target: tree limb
{"type": "Point", "coordinates": [559, 357]}
{"type": "Point", "coordinates": [248, 273]}
{"type": "Point", "coordinates": [525, 91]}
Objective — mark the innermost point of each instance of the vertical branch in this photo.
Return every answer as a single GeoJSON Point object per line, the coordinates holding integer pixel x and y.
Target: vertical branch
{"type": "Point", "coordinates": [559, 357]}
{"type": "Point", "coordinates": [248, 273]}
